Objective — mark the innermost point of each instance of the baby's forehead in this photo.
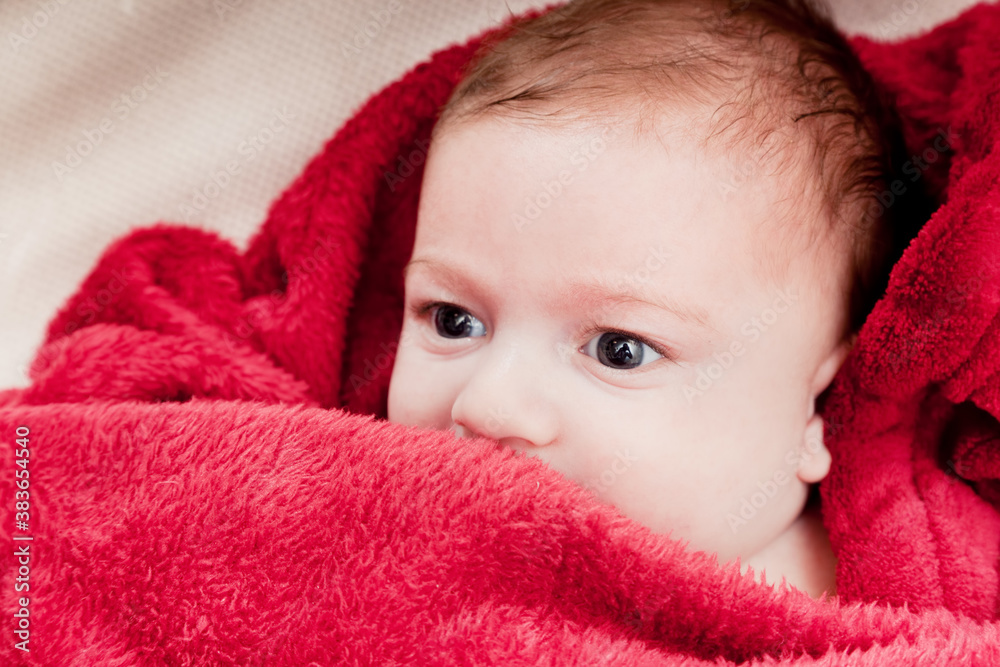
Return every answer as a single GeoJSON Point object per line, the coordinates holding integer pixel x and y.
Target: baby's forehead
{"type": "Point", "coordinates": [769, 172]}
{"type": "Point", "coordinates": [763, 71]}
{"type": "Point", "coordinates": [760, 198]}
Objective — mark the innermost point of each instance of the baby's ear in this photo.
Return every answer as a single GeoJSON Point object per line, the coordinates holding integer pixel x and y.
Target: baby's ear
{"type": "Point", "coordinates": [828, 367]}
{"type": "Point", "coordinates": [814, 457]}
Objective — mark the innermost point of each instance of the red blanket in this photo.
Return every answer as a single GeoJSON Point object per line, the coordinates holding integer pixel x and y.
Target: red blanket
{"type": "Point", "coordinates": [205, 474]}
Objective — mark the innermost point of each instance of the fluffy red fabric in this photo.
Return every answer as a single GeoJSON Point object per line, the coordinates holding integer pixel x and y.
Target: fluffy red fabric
{"type": "Point", "coordinates": [212, 479]}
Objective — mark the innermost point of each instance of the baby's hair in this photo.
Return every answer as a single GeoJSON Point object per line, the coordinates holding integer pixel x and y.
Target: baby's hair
{"type": "Point", "coordinates": [770, 68]}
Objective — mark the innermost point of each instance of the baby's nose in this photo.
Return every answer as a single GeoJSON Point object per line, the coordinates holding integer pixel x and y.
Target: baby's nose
{"type": "Point", "coordinates": [463, 431]}
{"type": "Point", "coordinates": [506, 398]}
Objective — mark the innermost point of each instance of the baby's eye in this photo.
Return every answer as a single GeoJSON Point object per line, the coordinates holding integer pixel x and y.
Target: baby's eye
{"type": "Point", "coordinates": [454, 322]}
{"type": "Point", "coordinates": [619, 350]}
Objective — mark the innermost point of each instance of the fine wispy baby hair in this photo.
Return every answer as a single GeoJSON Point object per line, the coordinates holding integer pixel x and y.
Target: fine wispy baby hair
{"type": "Point", "coordinates": [781, 88]}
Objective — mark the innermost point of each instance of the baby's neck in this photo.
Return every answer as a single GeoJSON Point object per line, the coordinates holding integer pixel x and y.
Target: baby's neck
{"type": "Point", "coordinates": [802, 554]}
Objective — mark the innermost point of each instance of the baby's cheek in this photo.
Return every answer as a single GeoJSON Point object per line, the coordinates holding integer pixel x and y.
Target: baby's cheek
{"type": "Point", "coordinates": [424, 391]}
{"type": "Point", "coordinates": [407, 403]}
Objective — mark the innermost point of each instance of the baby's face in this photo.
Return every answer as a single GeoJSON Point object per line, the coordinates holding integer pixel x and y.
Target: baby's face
{"type": "Point", "coordinates": [596, 300]}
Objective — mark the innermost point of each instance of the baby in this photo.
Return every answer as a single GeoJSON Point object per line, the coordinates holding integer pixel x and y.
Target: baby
{"type": "Point", "coordinates": [647, 235]}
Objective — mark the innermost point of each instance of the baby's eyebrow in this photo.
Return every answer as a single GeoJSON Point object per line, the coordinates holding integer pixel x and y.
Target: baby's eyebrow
{"type": "Point", "coordinates": [624, 293]}
{"type": "Point", "coordinates": [602, 289]}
